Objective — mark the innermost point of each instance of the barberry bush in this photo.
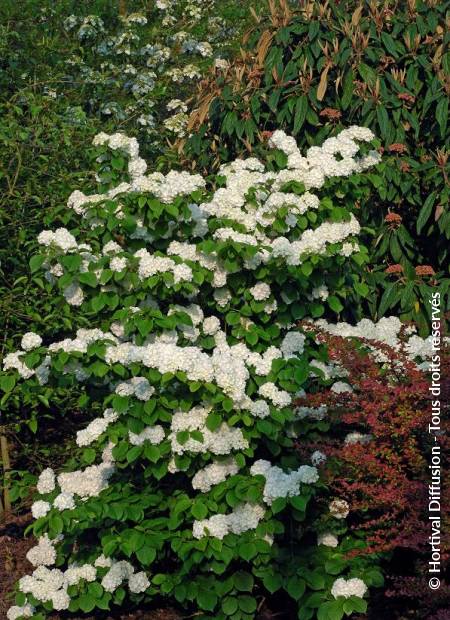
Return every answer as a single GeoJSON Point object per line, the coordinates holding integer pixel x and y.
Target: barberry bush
{"type": "Point", "coordinates": [185, 485]}
{"type": "Point", "coordinates": [376, 450]}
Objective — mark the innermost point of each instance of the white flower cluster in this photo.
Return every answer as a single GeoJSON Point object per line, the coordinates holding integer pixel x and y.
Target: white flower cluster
{"type": "Point", "coordinates": [15, 612]}
{"type": "Point", "coordinates": [339, 508]}
{"type": "Point", "coordinates": [348, 587]}
{"type": "Point", "coordinates": [280, 484]}
{"type": "Point", "coordinates": [46, 584]}
{"type": "Point", "coordinates": [355, 437]}
{"type": "Point", "coordinates": [13, 361]}
{"type": "Point", "coordinates": [260, 291]}
{"type": "Point", "coordinates": [46, 481]}
{"type": "Point", "coordinates": [292, 344]}
{"type": "Point", "coordinates": [318, 457]}
{"type": "Point", "coordinates": [245, 517]}
{"type": "Point", "coordinates": [88, 482]}
{"type": "Point", "coordinates": [278, 397]}
{"type": "Point", "coordinates": [96, 428]}
{"type": "Point", "coordinates": [387, 331]}
{"type": "Point", "coordinates": [60, 239]}
{"type": "Point", "coordinates": [339, 387]}
{"type": "Point", "coordinates": [150, 265]}
{"type": "Point", "coordinates": [219, 442]}
{"type": "Point", "coordinates": [121, 571]}
{"type": "Point", "coordinates": [153, 434]}
{"type": "Point", "coordinates": [327, 539]}
{"type": "Point", "coordinates": [136, 386]}
{"type": "Point", "coordinates": [212, 474]}
{"type": "Point", "coordinates": [40, 509]}
{"type": "Point", "coordinates": [321, 162]}
{"type": "Point", "coordinates": [44, 553]}
{"type": "Point", "coordinates": [30, 341]}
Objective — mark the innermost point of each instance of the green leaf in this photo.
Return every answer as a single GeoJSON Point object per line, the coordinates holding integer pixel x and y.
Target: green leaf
{"type": "Point", "coordinates": [425, 212]}
{"type": "Point", "coordinates": [301, 107]}
{"type": "Point", "coordinates": [7, 383]}
{"type": "Point", "coordinates": [296, 587]}
{"type": "Point", "coordinates": [306, 269]}
{"type": "Point", "coordinates": [199, 510]}
{"type": "Point", "coordinates": [355, 604]}
{"type": "Point", "coordinates": [383, 121]}
{"type": "Point", "coordinates": [331, 610]}
{"type": "Point", "coordinates": [299, 502]}
{"type": "Point", "coordinates": [213, 421]}
{"type": "Point", "coordinates": [335, 303]}
{"type": "Point", "coordinates": [229, 605]}
{"type": "Point", "coordinates": [247, 551]}
{"type": "Point", "coordinates": [88, 278]}
{"type": "Point", "coordinates": [390, 297]}
{"type": "Point", "coordinates": [442, 114]}
{"type": "Point", "coordinates": [146, 555]}
{"type": "Point", "coordinates": [207, 599]}
{"type": "Point", "coordinates": [243, 581]}
{"type": "Point", "coordinates": [389, 44]}
{"type": "Point", "coordinates": [56, 524]}
{"type": "Point", "coordinates": [348, 90]}
{"type": "Point", "coordinates": [247, 604]}
{"type": "Point", "coordinates": [36, 262]}
{"type": "Point", "coordinates": [368, 75]}
{"type": "Point", "coordinates": [272, 582]}
{"type": "Point", "coordinates": [86, 603]}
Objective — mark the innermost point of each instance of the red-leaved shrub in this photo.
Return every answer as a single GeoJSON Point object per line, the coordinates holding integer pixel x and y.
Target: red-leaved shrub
{"type": "Point", "coordinates": [384, 473]}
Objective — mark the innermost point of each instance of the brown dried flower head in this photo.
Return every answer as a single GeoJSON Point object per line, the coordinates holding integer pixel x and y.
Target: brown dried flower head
{"type": "Point", "coordinates": [393, 219]}
{"type": "Point", "coordinates": [394, 269]}
{"type": "Point", "coordinates": [425, 270]}
{"type": "Point", "coordinates": [331, 113]}
{"type": "Point", "coordinates": [398, 147]}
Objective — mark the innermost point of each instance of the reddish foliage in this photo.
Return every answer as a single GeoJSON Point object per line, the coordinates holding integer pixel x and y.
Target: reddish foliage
{"type": "Point", "coordinates": [385, 480]}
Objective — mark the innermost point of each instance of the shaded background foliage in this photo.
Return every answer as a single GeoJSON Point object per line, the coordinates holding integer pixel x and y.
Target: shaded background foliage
{"type": "Point", "coordinates": [312, 68]}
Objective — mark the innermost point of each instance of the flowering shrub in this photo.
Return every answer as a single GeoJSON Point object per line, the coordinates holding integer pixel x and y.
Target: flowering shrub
{"type": "Point", "coordinates": [140, 67]}
{"type": "Point", "coordinates": [185, 485]}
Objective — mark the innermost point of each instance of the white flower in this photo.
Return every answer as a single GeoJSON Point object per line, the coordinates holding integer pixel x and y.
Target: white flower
{"type": "Point", "coordinates": [118, 263]}
{"type": "Point", "coordinates": [44, 553]}
{"type": "Point", "coordinates": [278, 397]}
{"type": "Point", "coordinates": [341, 388]}
{"type": "Point", "coordinates": [46, 481]}
{"type": "Point", "coordinates": [138, 582]}
{"type": "Point", "coordinates": [211, 325]}
{"type": "Point", "coordinates": [74, 294]}
{"type": "Point", "coordinates": [260, 291]}
{"type": "Point", "coordinates": [244, 517]}
{"type": "Point", "coordinates": [348, 587]}
{"type": "Point", "coordinates": [64, 501]}
{"type": "Point", "coordinates": [212, 474]}
{"type": "Point", "coordinates": [15, 612]}
{"type": "Point", "coordinates": [40, 509]}
{"type": "Point", "coordinates": [281, 484]}
{"type": "Point", "coordinates": [292, 345]}
{"type": "Point", "coordinates": [355, 437]}
{"type": "Point", "coordinates": [327, 539]}
{"type": "Point", "coordinates": [339, 508]}
{"type": "Point", "coordinates": [153, 434]}
{"type": "Point", "coordinates": [317, 457]}
{"type": "Point", "coordinates": [30, 341]}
